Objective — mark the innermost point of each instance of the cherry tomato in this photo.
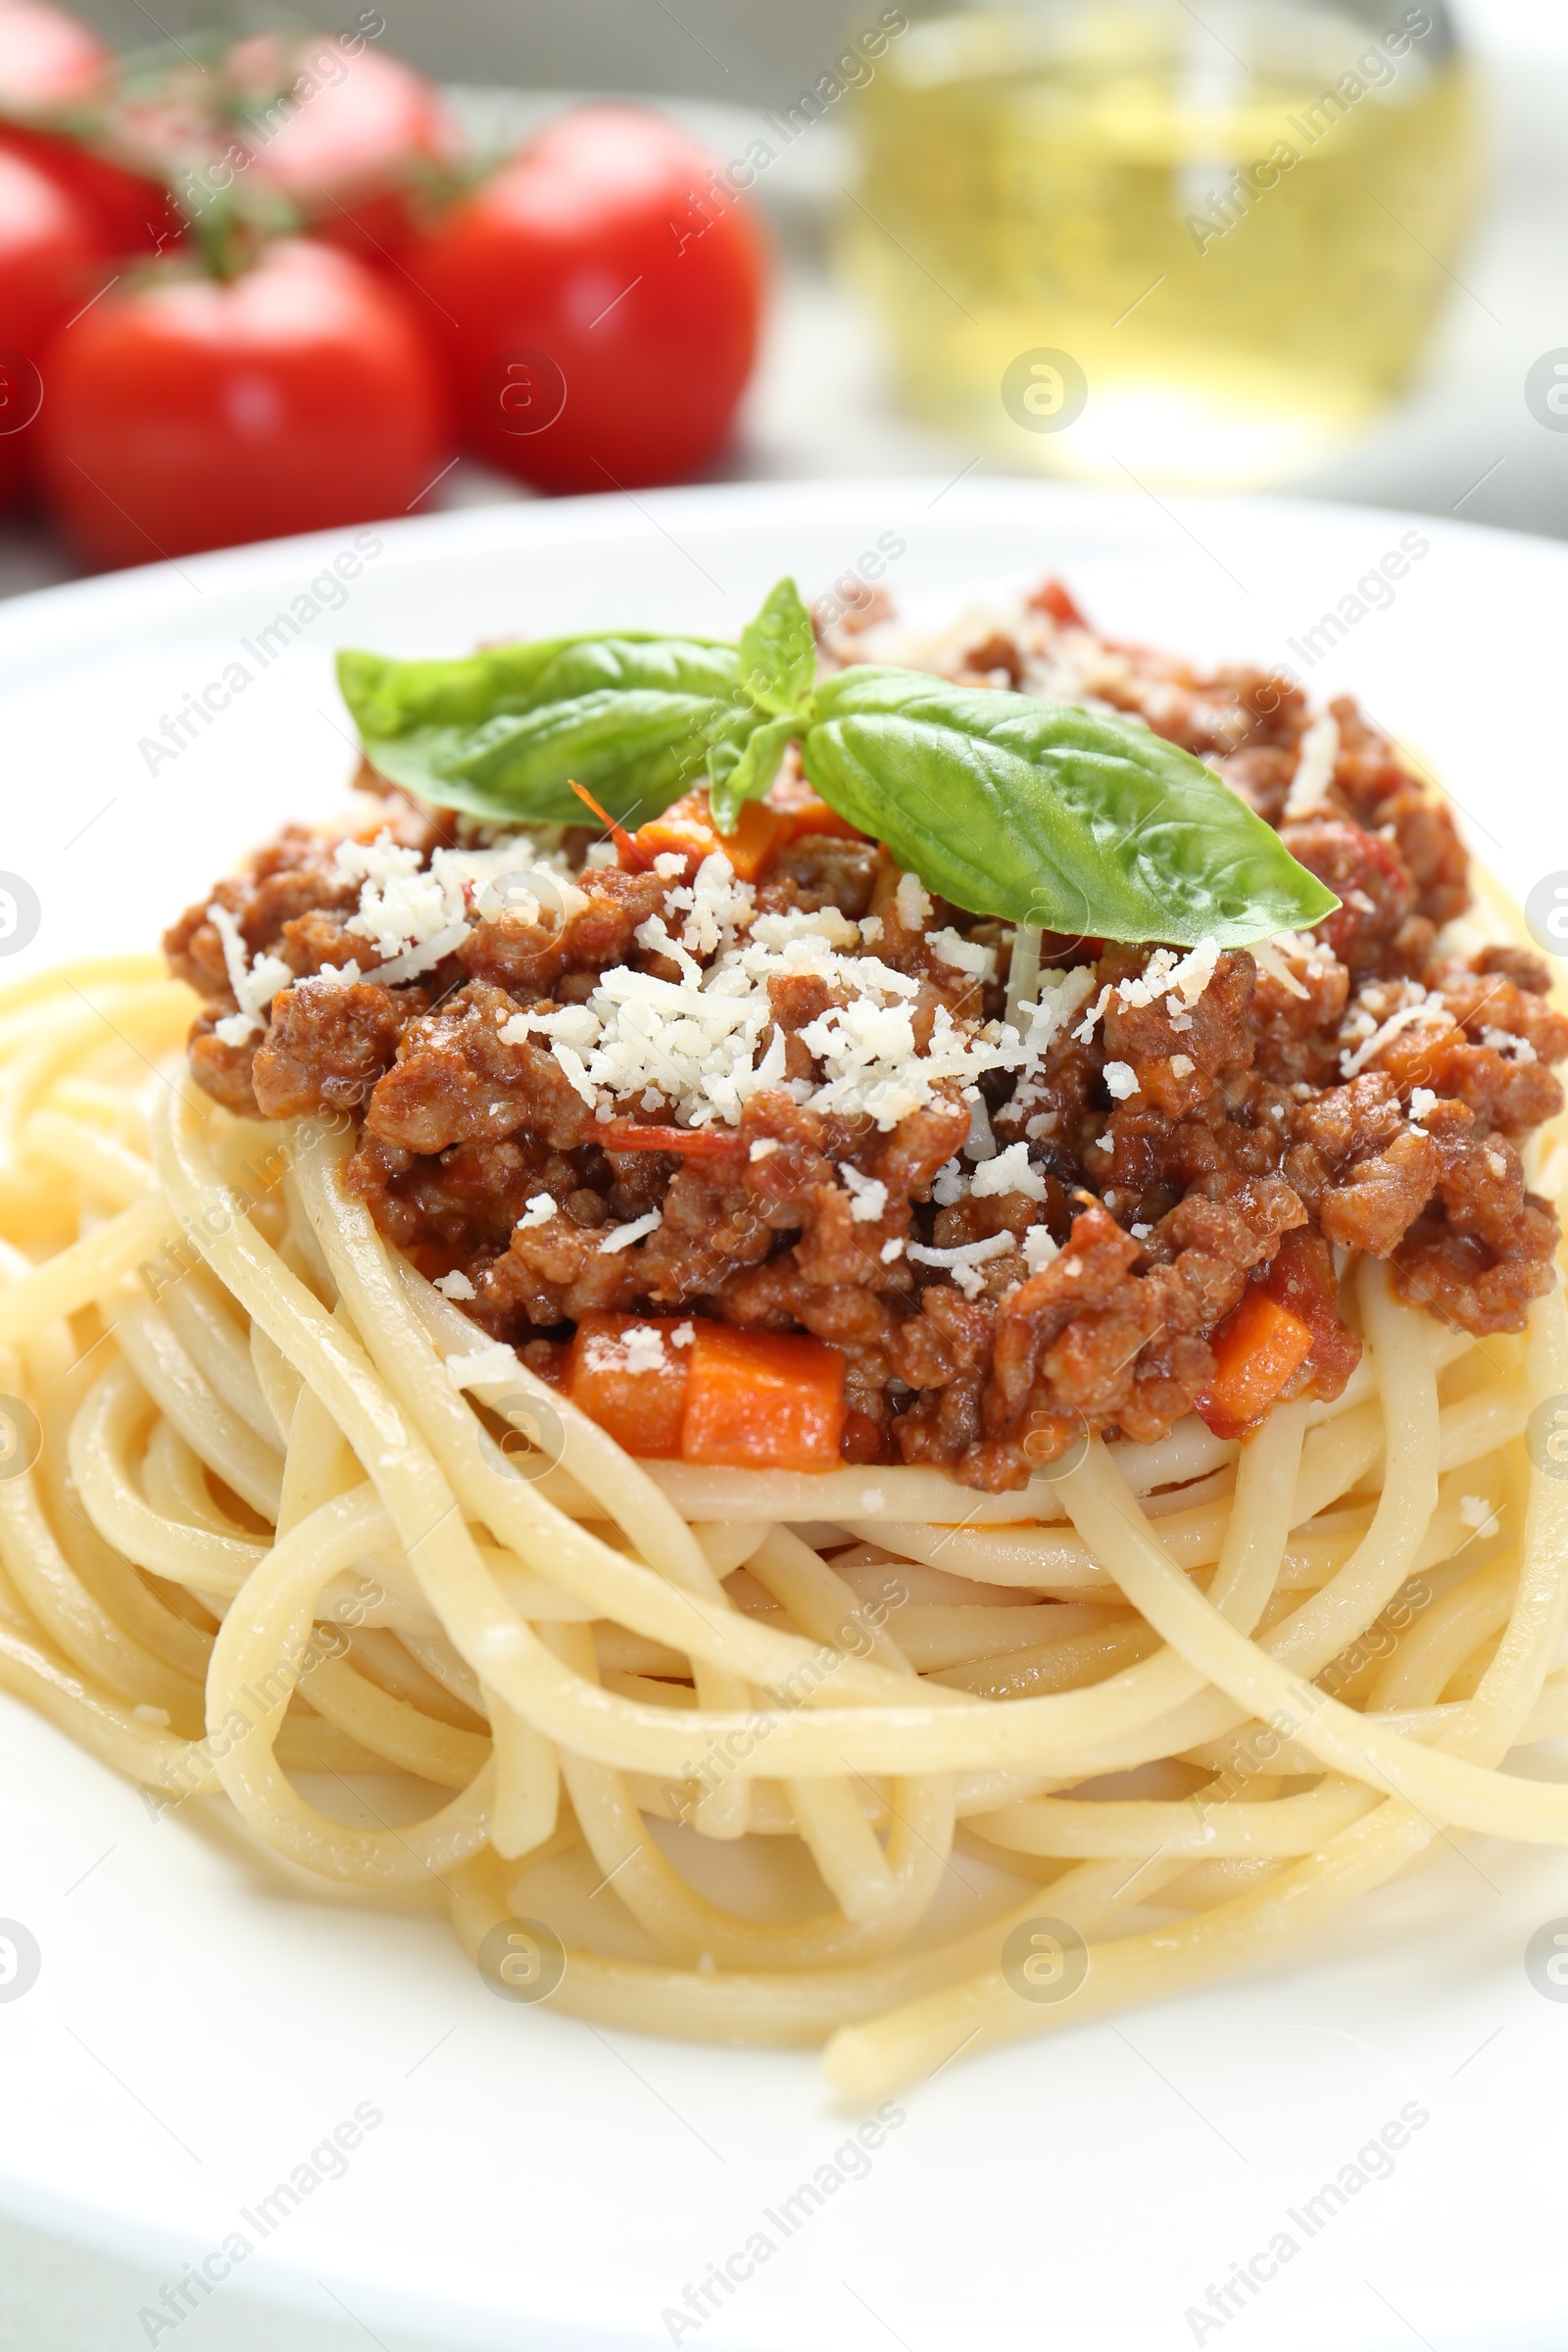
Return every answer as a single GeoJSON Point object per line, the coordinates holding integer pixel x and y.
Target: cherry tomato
{"type": "Point", "coordinates": [50, 264]}
{"type": "Point", "coordinates": [55, 77]}
{"type": "Point", "coordinates": [596, 331]}
{"type": "Point", "coordinates": [347, 134]}
{"type": "Point", "coordinates": [182, 412]}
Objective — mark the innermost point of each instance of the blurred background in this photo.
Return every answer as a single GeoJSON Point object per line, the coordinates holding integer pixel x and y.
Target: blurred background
{"type": "Point", "coordinates": [1312, 245]}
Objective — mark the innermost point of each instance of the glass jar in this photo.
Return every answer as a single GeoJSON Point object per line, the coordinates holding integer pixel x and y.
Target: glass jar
{"type": "Point", "coordinates": [1202, 244]}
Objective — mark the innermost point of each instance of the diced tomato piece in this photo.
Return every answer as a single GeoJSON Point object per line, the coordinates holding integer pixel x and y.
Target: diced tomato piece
{"type": "Point", "coordinates": [637, 1394]}
{"type": "Point", "coordinates": [862, 1441]}
{"type": "Point", "coordinates": [1255, 1350]}
{"type": "Point", "coordinates": [762, 1400]}
{"type": "Point", "coordinates": [1052, 598]}
{"type": "Point", "coordinates": [688, 828]}
{"type": "Point", "coordinates": [435, 1258]}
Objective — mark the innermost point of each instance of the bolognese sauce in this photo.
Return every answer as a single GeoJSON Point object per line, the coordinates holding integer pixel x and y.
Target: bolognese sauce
{"type": "Point", "coordinates": [681, 1087]}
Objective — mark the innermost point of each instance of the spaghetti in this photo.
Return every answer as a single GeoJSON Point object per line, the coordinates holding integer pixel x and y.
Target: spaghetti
{"type": "Point", "coordinates": [276, 1506]}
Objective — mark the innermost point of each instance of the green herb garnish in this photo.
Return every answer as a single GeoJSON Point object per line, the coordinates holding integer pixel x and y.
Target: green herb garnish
{"type": "Point", "coordinates": [1036, 812]}
{"type": "Point", "coordinates": [504, 733]}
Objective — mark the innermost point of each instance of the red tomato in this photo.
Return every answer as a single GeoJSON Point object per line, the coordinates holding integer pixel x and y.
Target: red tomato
{"type": "Point", "coordinates": [49, 267]}
{"type": "Point", "coordinates": [349, 136]}
{"type": "Point", "coordinates": [597, 332]}
{"type": "Point", "coordinates": [49, 61]}
{"type": "Point", "coordinates": [55, 72]}
{"type": "Point", "coordinates": [183, 412]}
{"type": "Point", "coordinates": [131, 215]}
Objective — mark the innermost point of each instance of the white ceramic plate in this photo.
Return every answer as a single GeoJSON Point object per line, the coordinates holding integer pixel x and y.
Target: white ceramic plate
{"type": "Point", "coordinates": [202, 2019]}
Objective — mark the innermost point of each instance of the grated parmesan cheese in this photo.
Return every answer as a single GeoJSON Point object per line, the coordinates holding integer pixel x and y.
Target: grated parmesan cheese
{"type": "Point", "coordinates": [454, 1285]}
{"type": "Point", "coordinates": [414, 915]}
{"type": "Point", "coordinates": [621, 1236]}
{"type": "Point", "coordinates": [1422, 1102]}
{"type": "Point", "coordinates": [333, 975]}
{"type": "Point", "coordinates": [638, 1348]}
{"type": "Point", "coordinates": [715, 905]}
{"type": "Point", "coordinates": [1121, 1080]}
{"type": "Point", "coordinates": [964, 1260]}
{"type": "Point", "coordinates": [869, 1195]}
{"type": "Point", "coordinates": [698, 1040]}
{"type": "Point", "coordinates": [1269, 956]}
{"type": "Point", "coordinates": [1008, 1172]}
{"type": "Point", "coordinates": [253, 985]}
{"type": "Point", "coordinates": [965, 954]}
{"type": "Point", "coordinates": [1316, 757]}
{"type": "Point", "coordinates": [411, 915]}
{"type": "Point", "coordinates": [910, 903]}
{"type": "Point", "coordinates": [1084, 1030]}
{"type": "Point", "coordinates": [1038, 1248]}
{"type": "Point", "coordinates": [1194, 974]}
{"type": "Point", "coordinates": [949, 1185]}
{"type": "Point", "coordinates": [1419, 1008]}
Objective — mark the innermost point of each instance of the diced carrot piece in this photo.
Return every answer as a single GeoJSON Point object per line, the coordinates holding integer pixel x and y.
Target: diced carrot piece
{"type": "Point", "coordinates": [756, 841]}
{"type": "Point", "coordinates": [1303, 1280]}
{"type": "Point", "coordinates": [628, 855]}
{"type": "Point", "coordinates": [631, 1390]}
{"type": "Point", "coordinates": [688, 828]}
{"type": "Point", "coordinates": [808, 813]}
{"type": "Point", "coordinates": [762, 1400]}
{"type": "Point", "coordinates": [688, 1142]}
{"type": "Point", "coordinates": [1255, 1350]}
{"type": "Point", "coordinates": [815, 816]}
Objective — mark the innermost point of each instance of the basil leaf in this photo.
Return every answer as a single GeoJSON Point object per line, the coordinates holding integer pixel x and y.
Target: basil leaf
{"type": "Point", "coordinates": [1046, 815]}
{"type": "Point", "coordinates": [387, 698]}
{"type": "Point", "coordinates": [735, 780]}
{"type": "Point", "coordinates": [778, 652]}
{"type": "Point", "coordinates": [724, 759]}
{"type": "Point", "coordinates": [504, 733]}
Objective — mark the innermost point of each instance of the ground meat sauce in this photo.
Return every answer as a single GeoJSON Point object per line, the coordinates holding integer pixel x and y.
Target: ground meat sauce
{"type": "Point", "coordinates": [1362, 1088]}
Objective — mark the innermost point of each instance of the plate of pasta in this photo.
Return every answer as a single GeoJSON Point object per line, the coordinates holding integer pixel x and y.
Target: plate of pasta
{"type": "Point", "coordinates": [784, 1423]}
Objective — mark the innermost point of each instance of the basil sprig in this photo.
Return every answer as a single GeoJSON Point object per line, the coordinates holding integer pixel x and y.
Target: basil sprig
{"type": "Point", "coordinates": [1036, 812]}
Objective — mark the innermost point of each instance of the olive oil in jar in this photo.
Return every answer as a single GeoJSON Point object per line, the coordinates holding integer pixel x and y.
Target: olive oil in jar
{"type": "Point", "coordinates": [1236, 233]}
